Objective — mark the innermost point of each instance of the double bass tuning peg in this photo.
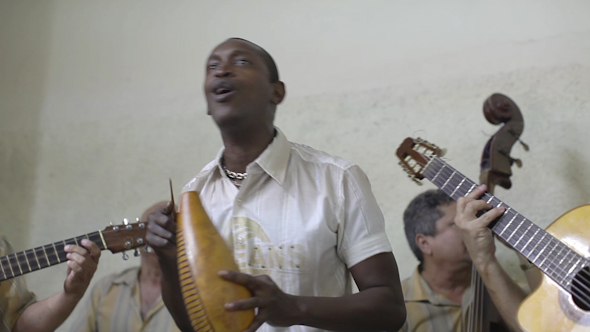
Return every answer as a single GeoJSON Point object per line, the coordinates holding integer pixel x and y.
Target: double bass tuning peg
{"type": "Point", "coordinates": [524, 146]}
{"type": "Point", "coordinates": [516, 161]}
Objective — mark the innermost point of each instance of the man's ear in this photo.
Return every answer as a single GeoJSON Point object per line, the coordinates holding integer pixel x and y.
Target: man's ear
{"type": "Point", "coordinates": [278, 93]}
{"type": "Point", "coordinates": [423, 244]}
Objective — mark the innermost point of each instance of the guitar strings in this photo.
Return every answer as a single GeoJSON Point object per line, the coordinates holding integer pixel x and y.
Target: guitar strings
{"type": "Point", "coordinates": [583, 274]}
{"type": "Point", "coordinates": [447, 173]}
{"type": "Point", "coordinates": [476, 313]}
{"type": "Point", "coordinates": [547, 240]}
{"type": "Point", "coordinates": [582, 294]}
{"type": "Point", "coordinates": [50, 253]}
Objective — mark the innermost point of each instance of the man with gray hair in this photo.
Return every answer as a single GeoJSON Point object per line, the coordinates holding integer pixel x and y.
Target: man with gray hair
{"type": "Point", "coordinates": [437, 295]}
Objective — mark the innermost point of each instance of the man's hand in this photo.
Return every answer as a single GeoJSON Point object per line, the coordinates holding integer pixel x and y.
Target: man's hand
{"type": "Point", "coordinates": [476, 235]}
{"type": "Point", "coordinates": [82, 264]}
{"type": "Point", "coordinates": [161, 234]}
{"type": "Point", "coordinates": [274, 306]}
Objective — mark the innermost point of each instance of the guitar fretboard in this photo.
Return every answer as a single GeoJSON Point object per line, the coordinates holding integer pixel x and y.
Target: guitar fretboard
{"type": "Point", "coordinates": [30, 260]}
{"type": "Point", "coordinates": [550, 255]}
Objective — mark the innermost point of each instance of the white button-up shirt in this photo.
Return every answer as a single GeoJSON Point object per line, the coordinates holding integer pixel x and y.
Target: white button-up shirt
{"type": "Point", "coordinates": [301, 216]}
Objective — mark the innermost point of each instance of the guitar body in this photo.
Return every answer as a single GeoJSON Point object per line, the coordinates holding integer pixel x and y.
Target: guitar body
{"type": "Point", "coordinates": [549, 308]}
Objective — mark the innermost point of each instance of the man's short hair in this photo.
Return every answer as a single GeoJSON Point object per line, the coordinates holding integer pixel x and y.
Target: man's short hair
{"type": "Point", "coordinates": [268, 60]}
{"type": "Point", "coordinates": [421, 215]}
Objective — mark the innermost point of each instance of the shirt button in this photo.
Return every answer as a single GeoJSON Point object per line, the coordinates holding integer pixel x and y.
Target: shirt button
{"type": "Point", "coordinates": [239, 202]}
{"type": "Point", "coordinates": [240, 240]}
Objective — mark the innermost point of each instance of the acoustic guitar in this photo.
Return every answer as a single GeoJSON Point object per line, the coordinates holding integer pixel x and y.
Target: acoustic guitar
{"type": "Point", "coordinates": [115, 238]}
{"type": "Point", "coordinates": [562, 302]}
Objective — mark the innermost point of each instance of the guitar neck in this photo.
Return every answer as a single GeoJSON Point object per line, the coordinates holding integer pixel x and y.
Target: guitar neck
{"type": "Point", "coordinates": [30, 260]}
{"type": "Point", "coordinates": [550, 255]}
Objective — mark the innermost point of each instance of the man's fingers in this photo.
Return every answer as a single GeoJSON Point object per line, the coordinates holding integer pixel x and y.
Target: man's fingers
{"type": "Point", "coordinates": [93, 248]}
{"type": "Point", "coordinates": [75, 266]}
{"type": "Point", "coordinates": [160, 231]}
{"type": "Point", "coordinates": [245, 304]}
{"type": "Point", "coordinates": [473, 207]}
{"type": "Point", "coordinates": [237, 277]}
{"type": "Point", "coordinates": [70, 248]}
{"type": "Point", "coordinates": [90, 249]}
{"type": "Point", "coordinates": [492, 215]}
{"type": "Point", "coordinates": [477, 192]}
{"type": "Point", "coordinates": [166, 209]}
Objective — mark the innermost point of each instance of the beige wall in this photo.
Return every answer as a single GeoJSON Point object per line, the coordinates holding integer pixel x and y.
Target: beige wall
{"type": "Point", "coordinates": [101, 102]}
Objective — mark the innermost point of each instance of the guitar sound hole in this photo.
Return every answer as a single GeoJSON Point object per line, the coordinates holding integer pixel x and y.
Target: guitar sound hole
{"type": "Point", "coordinates": [581, 289]}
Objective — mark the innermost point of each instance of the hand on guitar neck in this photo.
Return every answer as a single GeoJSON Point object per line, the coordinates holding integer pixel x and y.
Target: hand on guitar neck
{"type": "Point", "coordinates": [479, 241]}
{"type": "Point", "coordinates": [50, 313]}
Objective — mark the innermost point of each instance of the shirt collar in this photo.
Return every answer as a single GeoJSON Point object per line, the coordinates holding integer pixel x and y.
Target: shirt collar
{"type": "Point", "coordinates": [128, 277]}
{"type": "Point", "coordinates": [420, 291]}
{"type": "Point", "coordinates": [273, 160]}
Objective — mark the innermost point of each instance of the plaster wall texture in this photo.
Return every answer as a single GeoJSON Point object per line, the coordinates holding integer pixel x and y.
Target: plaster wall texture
{"type": "Point", "coordinates": [101, 103]}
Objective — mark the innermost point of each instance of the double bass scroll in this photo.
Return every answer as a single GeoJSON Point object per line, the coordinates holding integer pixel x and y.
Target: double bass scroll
{"type": "Point", "coordinates": [496, 161]}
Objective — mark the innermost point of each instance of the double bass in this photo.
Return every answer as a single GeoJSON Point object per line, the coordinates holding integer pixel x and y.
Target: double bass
{"type": "Point", "coordinates": [495, 169]}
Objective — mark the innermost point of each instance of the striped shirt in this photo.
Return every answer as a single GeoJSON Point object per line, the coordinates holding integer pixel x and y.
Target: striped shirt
{"type": "Point", "coordinates": [430, 312]}
{"type": "Point", "coordinates": [14, 295]}
{"type": "Point", "coordinates": [115, 305]}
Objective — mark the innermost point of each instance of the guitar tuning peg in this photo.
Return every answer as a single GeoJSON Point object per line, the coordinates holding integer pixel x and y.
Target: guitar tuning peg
{"type": "Point", "coordinates": [125, 256]}
{"type": "Point", "coordinates": [111, 223]}
{"type": "Point", "coordinates": [518, 162]}
{"type": "Point", "coordinates": [137, 219]}
{"type": "Point", "coordinates": [137, 252]}
{"type": "Point", "coordinates": [125, 221]}
{"type": "Point", "coordinates": [443, 151]}
{"type": "Point", "coordinates": [148, 248]}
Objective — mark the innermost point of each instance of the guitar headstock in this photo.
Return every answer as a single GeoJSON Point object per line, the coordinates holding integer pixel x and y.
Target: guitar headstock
{"type": "Point", "coordinates": [125, 236]}
{"type": "Point", "coordinates": [414, 155]}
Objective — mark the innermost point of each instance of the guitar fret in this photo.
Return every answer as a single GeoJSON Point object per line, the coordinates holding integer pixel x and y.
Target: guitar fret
{"type": "Point", "coordinates": [539, 254]}
{"type": "Point", "coordinates": [549, 253]}
{"type": "Point", "coordinates": [10, 265]}
{"type": "Point", "coordinates": [27, 260]}
{"type": "Point", "coordinates": [508, 225]}
{"type": "Point", "coordinates": [440, 170]}
{"type": "Point", "coordinates": [46, 257]}
{"type": "Point", "coordinates": [41, 257]}
{"type": "Point", "coordinates": [470, 190]}
{"type": "Point", "coordinates": [523, 234]}
{"type": "Point", "coordinates": [449, 179]}
{"type": "Point", "coordinates": [559, 255]}
{"type": "Point", "coordinates": [489, 200]}
{"type": "Point", "coordinates": [55, 252]}
{"type": "Point", "coordinates": [2, 267]}
{"type": "Point", "coordinates": [530, 239]}
{"type": "Point", "coordinates": [535, 247]}
{"type": "Point", "coordinates": [16, 260]}
{"type": "Point", "coordinates": [513, 232]}
{"type": "Point", "coordinates": [458, 186]}
{"type": "Point", "coordinates": [36, 258]}
{"type": "Point", "coordinates": [574, 266]}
